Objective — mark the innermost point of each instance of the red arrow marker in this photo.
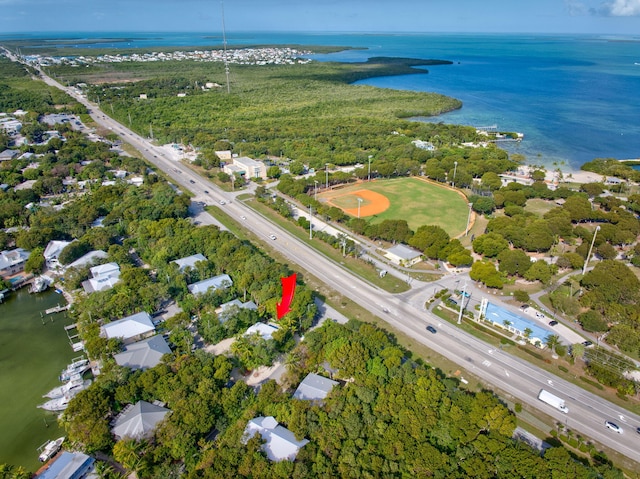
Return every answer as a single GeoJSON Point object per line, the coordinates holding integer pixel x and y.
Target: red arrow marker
{"type": "Point", "coordinates": [288, 290]}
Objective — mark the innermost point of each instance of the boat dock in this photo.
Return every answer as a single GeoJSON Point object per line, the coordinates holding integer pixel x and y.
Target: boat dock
{"type": "Point", "coordinates": [57, 309]}
{"type": "Point", "coordinates": [76, 345]}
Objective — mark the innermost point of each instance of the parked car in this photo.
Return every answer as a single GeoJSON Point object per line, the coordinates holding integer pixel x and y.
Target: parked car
{"type": "Point", "coordinates": [587, 344]}
{"type": "Point", "coordinates": [431, 329]}
{"type": "Point", "coordinates": [613, 426]}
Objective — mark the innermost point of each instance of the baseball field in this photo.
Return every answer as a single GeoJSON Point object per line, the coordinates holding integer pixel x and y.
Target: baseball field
{"type": "Point", "coordinates": [418, 201]}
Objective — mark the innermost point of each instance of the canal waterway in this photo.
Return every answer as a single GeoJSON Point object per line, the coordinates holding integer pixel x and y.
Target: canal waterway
{"type": "Point", "coordinates": [33, 351]}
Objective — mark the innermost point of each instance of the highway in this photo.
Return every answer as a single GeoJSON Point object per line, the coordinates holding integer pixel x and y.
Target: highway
{"type": "Point", "coordinates": [406, 313]}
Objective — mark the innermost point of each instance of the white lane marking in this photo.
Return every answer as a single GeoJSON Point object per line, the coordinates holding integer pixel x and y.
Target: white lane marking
{"type": "Point", "coordinates": [486, 363]}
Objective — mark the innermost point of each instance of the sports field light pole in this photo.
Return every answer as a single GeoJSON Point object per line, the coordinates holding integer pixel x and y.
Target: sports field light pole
{"type": "Point", "coordinates": [310, 223]}
{"type": "Point", "coordinates": [466, 231]}
{"type": "Point", "coordinates": [455, 169]}
{"type": "Point", "coordinates": [326, 176]}
{"type": "Point", "coordinates": [369, 172]}
{"type": "Point", "coordinates": [359, 202]}
{"type": "Point", "coordinates": [586, 261]}
{"type": "Point", "coordinates": [315, 194]}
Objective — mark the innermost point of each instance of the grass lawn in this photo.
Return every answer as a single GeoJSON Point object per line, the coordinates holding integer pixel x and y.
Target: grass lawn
{"type": "Point", "coordinates": [539, 206]}
{"type": "Point", "coordinates": [418, 202]}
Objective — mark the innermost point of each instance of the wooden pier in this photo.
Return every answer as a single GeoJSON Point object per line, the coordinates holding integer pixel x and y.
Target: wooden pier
{"type": "Point", "coordinates": [57, 309]}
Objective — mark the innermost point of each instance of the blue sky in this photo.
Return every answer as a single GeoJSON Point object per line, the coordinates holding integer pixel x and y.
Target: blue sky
{"type": "Point", "coordinates": [519, 16]}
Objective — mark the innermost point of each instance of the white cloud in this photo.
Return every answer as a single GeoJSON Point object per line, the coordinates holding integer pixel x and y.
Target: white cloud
{"type": "Point", "coordinates": [622, 8]}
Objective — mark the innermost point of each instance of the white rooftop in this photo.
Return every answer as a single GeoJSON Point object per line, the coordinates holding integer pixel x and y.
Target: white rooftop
{"type": "Point", "coordinates": [280, 443]}
{"type": "Point", "coordinates": [129, 327]}
{"type": "Point", "coordinates": [217, 282]}
{"type": "Point", "coordinates": [404, 252]}
{"type": "Point", "coordinates": [265, 330]}
{"type": "Point", "coordinates": [189, 261]}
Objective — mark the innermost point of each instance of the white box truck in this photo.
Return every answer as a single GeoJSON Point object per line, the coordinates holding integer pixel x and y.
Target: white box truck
{"type": "Point", "coordinates": [553, 400]}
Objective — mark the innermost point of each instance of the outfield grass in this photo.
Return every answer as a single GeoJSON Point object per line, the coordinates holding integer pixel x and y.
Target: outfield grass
{"type": "Point", "coordinates": [418, 202]}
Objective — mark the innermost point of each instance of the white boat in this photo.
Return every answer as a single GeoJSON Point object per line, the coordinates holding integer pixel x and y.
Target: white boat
{"type": "Point", "coordinates": [58, 404]}
{"type": "Point", "coordinates": [76, 383]}
{"type": "Point", "coordinates": [49, 449]}
{"type": "Point", "coordinates": [78, 366]}
{"type": "Point", "coordinates": [40, 283]}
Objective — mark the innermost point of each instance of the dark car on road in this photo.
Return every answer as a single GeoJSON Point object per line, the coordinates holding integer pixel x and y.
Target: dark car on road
{"type": "Point", "coordinates": [431, 329]}
{"type": "Point", "coordinates": [553, 323]}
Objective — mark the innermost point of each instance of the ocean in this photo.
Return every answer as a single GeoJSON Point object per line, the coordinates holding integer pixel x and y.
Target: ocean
{"type": "Point", "coordinates": [575, 98]}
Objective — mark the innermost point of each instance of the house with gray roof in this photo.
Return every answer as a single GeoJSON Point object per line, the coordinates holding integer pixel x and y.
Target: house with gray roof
{"type": "Point", "coordinates": [129, 329]}
{"type": "Point", "coordinates": [143, 354]}
{"type": "Point", "coordinates": [402, 255]}
{"type": "Point", "coordinates": [139, 421]}
{"type": "Point", "coordinates": [7, 154]}
{"type": "Point", "coordinates": [68, 465]}
{"type": "Point", "coordinates": [231, 308]}
{"type": "Point", "coordinates": [89, 258]}
{"type": "Point", "coordinates": [189, 261]}
{"type": "Point", "coordinates": [222, 281]}
{"type": "Point", "coordinates": [314, 388]}
{"type": "Point", "coordinates": [280, 443]}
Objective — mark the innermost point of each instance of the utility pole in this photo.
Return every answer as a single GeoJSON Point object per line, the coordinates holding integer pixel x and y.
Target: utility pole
{"type": "Point", "coordinates": [464, 294]}
{"type": "Point", "coordinates": [586, 261]}
{"type": "Point", "coordinates": [310, 223]}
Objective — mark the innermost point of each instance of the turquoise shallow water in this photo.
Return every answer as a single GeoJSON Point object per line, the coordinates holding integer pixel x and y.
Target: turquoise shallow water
{"type": "Point", "coordinates": [33, 351]}
{"type": "Point", "coordinates": [574, 97]}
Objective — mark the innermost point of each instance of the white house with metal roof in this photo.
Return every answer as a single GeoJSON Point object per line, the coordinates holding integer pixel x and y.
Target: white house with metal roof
{"type": "Point", "coordinates": [139, 421]}
{"type": "Point", "coordinates": [189, 261]}
{"type": "Point", "coordinates": [12, 262]}
{"type": "Point", "coordinates": [104, 277]}
{"type": "Point", "coordinates": [129, 329]}
{"type": "Point", "coordinates": [264, 330]}
{"type": "Point", "coordinates": [53, 250]}
{"type": "Point", "coordinates": [222, 281]}
{"type": "Point", "coordinates": [314, 388]}
{"type": "Point", "coordinates": [280, 443]}
{"type": "Point", "coordinates": [143, 354]}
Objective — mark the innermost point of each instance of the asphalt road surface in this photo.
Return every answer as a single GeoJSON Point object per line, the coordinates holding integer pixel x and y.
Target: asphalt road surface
{"type": "Point", "coordinates": [587, 412]}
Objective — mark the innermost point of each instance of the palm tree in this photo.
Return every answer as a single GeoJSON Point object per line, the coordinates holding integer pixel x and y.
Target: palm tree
{"type": "Point", "coordinates": [528, 332]}
{"type": "Point", "coordinates": [552, 341]}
